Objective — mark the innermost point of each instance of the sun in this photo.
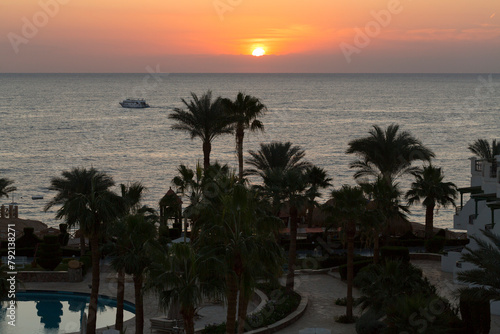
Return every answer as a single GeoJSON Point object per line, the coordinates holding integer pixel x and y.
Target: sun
{"type": "Point", "coordinates": [257, 52]}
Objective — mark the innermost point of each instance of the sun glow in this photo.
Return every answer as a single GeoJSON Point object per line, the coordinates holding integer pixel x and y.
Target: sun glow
{"type": "Point", "coordinates": [257, 52]}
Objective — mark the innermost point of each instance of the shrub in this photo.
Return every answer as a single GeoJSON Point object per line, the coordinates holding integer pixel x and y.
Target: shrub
{"type": "Point", "coordinates": [394, 253]}
{"type": "Point", "coordinates": [369, 323]}
{"type": "Point", "coordinates": [28, 240]}
{"type": "Point", "coordinates": [49, 253]}
{"type": "Point", "coordinates": [214, 329]}
{"type": "Point", "coordinates": [86, 260]}
{"type": "Point", "coordinates": [357, 266]}
{"type": "Point", "coordinates": [434, 245]}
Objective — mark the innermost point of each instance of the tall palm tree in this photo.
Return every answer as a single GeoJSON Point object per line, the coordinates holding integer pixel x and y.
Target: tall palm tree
{"type": "Point", "coordinates": [244, 111]}
{"type": "Point", "coordinates": [281, 167]}
{"type": "Point", "coordinates": [388, 153]}
{"type": "Point", "coordinates": [6, 187]}
{"type": "Point", "coordinates": [132, 195]}
{"type": "Point", "coordinates": [386, 209]}
{"type": "Point", "coordinates": [484, 150]}
{"type": "Point", "coordinates": [180, 277]}
{"type": "Point", "coordinates": [349, 209]}
{"type": "Point", "coordinates": [86, 200]}
{"type": "Point", "coordinates": [135, 237]}
{"type": "Point", "coordinates": [205, 119]}
{"type": "Point", "coordinates": [240, 234]}
{"type": "Point", "coordinates": [317, 179]}
{"type": "Point", "coordinates": [430, 188]}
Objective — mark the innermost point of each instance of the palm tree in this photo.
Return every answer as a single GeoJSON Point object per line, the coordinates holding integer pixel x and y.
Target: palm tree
{"type": "Point", "coordinates": [349, 208]}
{"type": "Point", "coordinates": [388, 153]}
{"type": "Point", "coordinates": [382, 284]}
{"type": "Point", "coordinates": [276, 155]}
{"type": "Point", "coordinates": [86, 200]}
{"type": "Point", "coordinates": [244, 111]}
{"type": "Point", "coordinates": [484, 150]}
{"type": "Point", "coordinates": [179, 277]}
{"type": "Point", "coordinates": [281, 167]}
{"type": "Point", "coordinates": [203, 118]}
{"type": "Point", "coordinates": [5, 187]}
{"type": "Point", "coordinates": [132, 195]}
{"type": "Point", "coordinates": [135, 236]}
{"type": "Point", "coordinates": [430, 187]}
{"type": "Point", "coordinates": [317, 179]}
{"type": "Point", "coordinates": [238, 232]}
{"type": "Point", "coordinates": [483, 279]}
{"type": "Point", "coordinates": [386, 210]}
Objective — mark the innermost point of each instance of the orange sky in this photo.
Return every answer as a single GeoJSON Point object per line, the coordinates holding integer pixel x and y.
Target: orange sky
{"type": "Point", "coordinates": [219, 35]}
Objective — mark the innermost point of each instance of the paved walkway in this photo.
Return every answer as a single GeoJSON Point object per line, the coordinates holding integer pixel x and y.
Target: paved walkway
{"type": "Point", "coordinates": [322, 291]}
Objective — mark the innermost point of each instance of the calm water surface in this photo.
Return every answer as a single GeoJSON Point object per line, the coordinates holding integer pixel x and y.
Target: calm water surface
{"type": "Point", "coordinates": [53, 122]}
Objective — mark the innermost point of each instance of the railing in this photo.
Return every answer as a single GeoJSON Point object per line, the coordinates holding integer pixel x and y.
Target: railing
{"type": "Point", "coordinates": [471, 218]}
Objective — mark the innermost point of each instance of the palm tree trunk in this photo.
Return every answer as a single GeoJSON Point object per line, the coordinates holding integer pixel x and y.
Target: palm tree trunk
{"type": "Point", "coordinates": [120, 297]}
{"type": "Point", "coordinates": [376, 247]}
{"type": "Point", "coordinates": [96, 256]}
{"type": "Point", "coordinates": [429, 222]}
{"type": "Point", "coordinates": [242, 311]}
{"type": "Point", "coordinates": [292, 251]}
{"type": "Point", "coordinates": [351, 231]}
{"type": "Point", "coordinates": [310, 211]}
{"type": "Point", "coordinates": [139, 305]}
{"type": "Point", "coordinates": [82, 243]}
{"type": "Point", "coordinates": [188, 317]}
{"type": "Point", "coordinates": [240, 134]}
{"type": "Point", "coordinates": [207, 148]}
{"type": "Point", "coordinates": [232, 295]}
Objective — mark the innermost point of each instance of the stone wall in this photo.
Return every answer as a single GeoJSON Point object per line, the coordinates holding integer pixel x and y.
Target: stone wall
{"type": "Point", "coordinates": [72, 275]}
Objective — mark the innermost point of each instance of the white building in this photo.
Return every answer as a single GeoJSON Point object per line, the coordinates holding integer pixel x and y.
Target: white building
{"type": "Point", "coordinates": [479, 213]}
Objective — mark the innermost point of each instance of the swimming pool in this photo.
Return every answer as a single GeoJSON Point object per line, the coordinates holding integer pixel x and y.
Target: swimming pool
{"type": "Point", "coordinates": [51, 312]}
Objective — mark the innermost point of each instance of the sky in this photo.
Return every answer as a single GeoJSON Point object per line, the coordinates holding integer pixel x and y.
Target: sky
{"type": "Point", "coordinates": [219, 36]}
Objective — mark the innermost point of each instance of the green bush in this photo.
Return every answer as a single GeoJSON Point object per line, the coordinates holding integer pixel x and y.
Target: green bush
{"type": "Point", "coordinates": [369, 323]}
{"type": "Point", "coordinates": [434, 245]}
{"type": "Point", "coordinates": [86, 260]}
{"type": "Point", "coordinates": [343, 301]}
{"type": "Point", "coordinates": [357, 266]}
{"type": "Point", "coordinates": [28, 239]}
{"type": "Point", "coordinates": [394, 253]}
{"type": "Point", "coordinates": [214, 329]}
{"type": "Point", "coordinates": [49, 253]}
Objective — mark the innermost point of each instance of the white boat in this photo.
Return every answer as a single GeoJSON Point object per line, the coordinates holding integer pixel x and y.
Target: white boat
{"type": "Point", "coordinates": [134, 103]}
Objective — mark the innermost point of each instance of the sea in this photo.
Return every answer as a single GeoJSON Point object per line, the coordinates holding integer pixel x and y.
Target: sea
{"type": "Point", "coordinates": [54, 122]}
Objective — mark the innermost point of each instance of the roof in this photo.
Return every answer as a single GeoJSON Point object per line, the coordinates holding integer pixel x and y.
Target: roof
{"type": "Point", "coordinates": [472, 190]}
{"type": "Point", "coordinates": [19, 224]}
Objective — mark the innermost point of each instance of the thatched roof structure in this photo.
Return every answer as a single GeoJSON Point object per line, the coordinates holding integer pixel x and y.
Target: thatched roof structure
{"type": "Point", "coordinates": [19, 225]}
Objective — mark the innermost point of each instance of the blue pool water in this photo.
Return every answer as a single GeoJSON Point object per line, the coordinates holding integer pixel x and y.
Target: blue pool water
{"type": "Point", "coordinates": [51, 312]}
